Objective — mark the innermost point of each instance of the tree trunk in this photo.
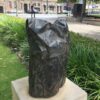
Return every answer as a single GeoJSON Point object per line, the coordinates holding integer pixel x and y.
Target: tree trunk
{"type": "Point", "coordinates": [83, 10]}
{"type": "Point", "coordinates": [84, 6]}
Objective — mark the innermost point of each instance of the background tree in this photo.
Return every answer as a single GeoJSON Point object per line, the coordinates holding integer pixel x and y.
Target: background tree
{"type": "Point", "coordinates": [84, 6]}
{"type": "Point", "coordinates": [61, 0]}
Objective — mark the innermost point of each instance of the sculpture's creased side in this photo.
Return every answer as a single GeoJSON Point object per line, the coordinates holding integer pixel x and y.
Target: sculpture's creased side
{"type": "Point", "coordinates": [48, 55]}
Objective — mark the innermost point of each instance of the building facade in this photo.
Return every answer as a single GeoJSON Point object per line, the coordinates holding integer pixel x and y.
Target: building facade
{"type": "Point", "coordinates": [43, 6]}
{"type": "Point", "coordinates": [2, 6]}
{"type": "Point", "coordinates": [13, 5]}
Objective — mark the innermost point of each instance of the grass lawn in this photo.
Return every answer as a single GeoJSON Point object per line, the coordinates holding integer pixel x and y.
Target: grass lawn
{"type": "Point", "coordinates": [10, 69]}
{"type": "Point", "coordinates": [94, 15]}
{"type": "Point", "coordinates": [98, 15]}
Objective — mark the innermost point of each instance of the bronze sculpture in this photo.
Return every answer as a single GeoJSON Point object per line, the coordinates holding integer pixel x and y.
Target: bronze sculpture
{"type": "Point", "coordinates": [48, 56]}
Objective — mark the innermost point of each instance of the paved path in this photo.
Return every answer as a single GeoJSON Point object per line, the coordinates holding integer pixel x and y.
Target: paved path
{"type": "Point", "coordinates": [85, 30]}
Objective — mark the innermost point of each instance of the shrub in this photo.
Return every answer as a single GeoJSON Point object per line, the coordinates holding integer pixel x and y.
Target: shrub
{"type": "Point", "coordinates": [12, 30]}
{"type": "Point", "coordinates": [84, 64]}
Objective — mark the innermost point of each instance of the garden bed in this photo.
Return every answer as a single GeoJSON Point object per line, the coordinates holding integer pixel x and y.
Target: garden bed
{"type": "Point", "coordinates": [84, 57]}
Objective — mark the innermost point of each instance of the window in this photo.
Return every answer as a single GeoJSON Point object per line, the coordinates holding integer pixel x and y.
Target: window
{"type": "Point", "coordinates": [21, 6]}
{"type": "Point", "coordinates": [38, 4]}
{"type": "Point", "coordinates": [44, 7]}
{"type": "Point", "coordinates": [10, 4]}
{"type": "Point", "coordinates": [51, 8]}
{"type": "Point", "coordinates": [14, 4]}
{"type": "Point", "coordinates": [34, 4]}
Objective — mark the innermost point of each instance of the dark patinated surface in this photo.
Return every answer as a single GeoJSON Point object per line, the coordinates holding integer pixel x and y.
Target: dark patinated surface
{"type": "Point", "coordinates": [48, 56]}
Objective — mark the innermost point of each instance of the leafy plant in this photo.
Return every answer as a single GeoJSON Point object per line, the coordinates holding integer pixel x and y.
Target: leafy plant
{"type": "Point", "coordinates": [24, 50]}
{"type": "Point", "coordinates": [84, 64]}
{"type": "Point", "coordinates": [12, 30]}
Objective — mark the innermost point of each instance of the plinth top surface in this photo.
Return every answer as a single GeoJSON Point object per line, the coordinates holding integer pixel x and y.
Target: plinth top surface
{"type": "Point", "coordinates": [69, 91]}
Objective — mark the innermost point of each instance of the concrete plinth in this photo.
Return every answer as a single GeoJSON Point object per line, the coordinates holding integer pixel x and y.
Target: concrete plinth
{"type": "Point", "coordinates": [69, 91]}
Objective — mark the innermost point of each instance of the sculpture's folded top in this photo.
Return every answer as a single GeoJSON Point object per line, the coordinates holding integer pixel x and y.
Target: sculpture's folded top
{"type": "Point", "coordinates": [48, 56]}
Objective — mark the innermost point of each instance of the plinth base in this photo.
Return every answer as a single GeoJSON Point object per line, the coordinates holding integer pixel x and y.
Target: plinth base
{"type": "Point", "coordinates": [69, 91]}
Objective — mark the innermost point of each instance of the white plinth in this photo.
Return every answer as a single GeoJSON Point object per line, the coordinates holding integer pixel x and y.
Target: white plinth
{"type": "Point", "coordinates": [69, 91]}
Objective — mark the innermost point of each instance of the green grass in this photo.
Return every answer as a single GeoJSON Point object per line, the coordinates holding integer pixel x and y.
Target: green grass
{"type": "Point", "coordinates": [98, 15]}
{"type": "Point", "coordinates": [94, 15]}
{"type": "Point", "coordinates": [84, 65]}
{"type": "Point", "coordinates": [10, 69]}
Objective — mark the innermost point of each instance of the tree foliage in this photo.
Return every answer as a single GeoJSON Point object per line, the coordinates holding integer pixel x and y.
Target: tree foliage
{"type": "Point", "coordinates": [76, 0]}
{"type": "Point", "coordinates": [72, 0]}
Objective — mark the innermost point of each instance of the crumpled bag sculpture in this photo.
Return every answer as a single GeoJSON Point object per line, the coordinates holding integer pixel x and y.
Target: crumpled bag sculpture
{"type": "Point", "coordinates": [48, 44]}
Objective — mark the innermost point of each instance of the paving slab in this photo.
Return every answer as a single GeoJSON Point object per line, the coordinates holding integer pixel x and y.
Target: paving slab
{"type": "Point", "coordinates": [87, 30]}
